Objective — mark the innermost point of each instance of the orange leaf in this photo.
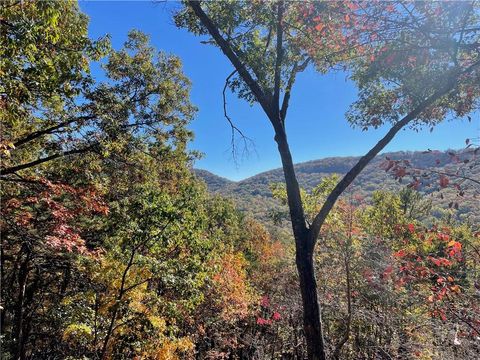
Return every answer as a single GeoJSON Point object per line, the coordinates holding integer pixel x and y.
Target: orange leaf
{"type": "Point", "coordinates": [455, 288]}
{"type": "Point", "coordinates": [319, 27]}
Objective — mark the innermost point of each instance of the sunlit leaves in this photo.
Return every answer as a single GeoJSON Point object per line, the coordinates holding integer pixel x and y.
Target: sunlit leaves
{"type": "Point", "coordinates": [250, 27]}
{"type": "Point", "coordinates": [233, 291]}
{"type": "Point", "coordinates": [399, 53]}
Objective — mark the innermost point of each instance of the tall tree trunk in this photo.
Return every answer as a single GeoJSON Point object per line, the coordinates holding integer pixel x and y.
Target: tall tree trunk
{"type": "Point", "coordinates": [270, 103]}
{"type": "Point", "coordinates": [18, 343]}
{"type": "Point", "coordinates": [269, 100]}
{"type": "Point", "coordinates": [312, 322]}
{"type": "Point", "coordinates": [304, 246]}
{"type": "Point", "coordinates": [2, 291]}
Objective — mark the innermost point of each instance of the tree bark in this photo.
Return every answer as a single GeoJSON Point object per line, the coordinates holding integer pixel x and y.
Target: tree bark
{"type": "Point", "coordinates": [305, 237]}
{"type": "Point", "coordinates": [18, 343]}
{"type": "Point", "coordinates": [304, 246]}
{"type": "Point", "coordinates": [304, 240]}
{"type": "Point", "coordinates": [312, 323]}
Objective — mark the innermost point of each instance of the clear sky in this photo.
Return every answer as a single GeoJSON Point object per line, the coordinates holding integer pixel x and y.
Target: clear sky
{"type": "Point", "coordinates": [316, 125]}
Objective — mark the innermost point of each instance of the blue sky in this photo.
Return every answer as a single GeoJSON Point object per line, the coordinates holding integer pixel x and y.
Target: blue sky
{"type": "Point", "coordinates": [316, 125]}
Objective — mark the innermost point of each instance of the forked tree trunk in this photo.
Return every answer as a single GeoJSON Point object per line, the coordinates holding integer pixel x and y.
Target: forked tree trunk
{"type": "Point", "coordinates": [270, 102]}
{"type": "Point", "coordinates": [276, 114]}
{"type": "Point", "coordinates": [304, 246]}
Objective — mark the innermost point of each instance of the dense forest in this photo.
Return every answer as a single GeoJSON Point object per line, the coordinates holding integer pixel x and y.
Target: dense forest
{"type": "Point", "coordinates": [254, 194]}
{"type": "Point", "coordinates": [112, 247]}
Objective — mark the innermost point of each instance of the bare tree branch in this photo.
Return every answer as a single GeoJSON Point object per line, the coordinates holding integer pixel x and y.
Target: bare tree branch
{"type": "Point", "coordinates": [233, 127]}
{"type": "Point", "coordinates": [260, 95]}
{"type": "Point", "coordinates": [49, 130]}
{"type": "Point", "coordinates": [39, 161]}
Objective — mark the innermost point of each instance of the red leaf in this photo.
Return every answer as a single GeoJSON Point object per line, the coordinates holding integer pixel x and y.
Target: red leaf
{"type": "Point", "coordinates": [262, 321]}
{"type": "Point", "coordinates": [319, 27]}
{"type": "Point", "coordinates": [400, 253]}
{"type": "Point", "coordinates": [411, 228]}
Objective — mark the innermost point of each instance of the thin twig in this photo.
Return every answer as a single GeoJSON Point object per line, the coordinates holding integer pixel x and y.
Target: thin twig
{"type": "Point", "coordinates": [233, 127]}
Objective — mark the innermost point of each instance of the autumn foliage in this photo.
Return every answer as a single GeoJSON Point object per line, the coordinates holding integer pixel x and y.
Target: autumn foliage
{"type": "Point", "coordinates": [112, 249]}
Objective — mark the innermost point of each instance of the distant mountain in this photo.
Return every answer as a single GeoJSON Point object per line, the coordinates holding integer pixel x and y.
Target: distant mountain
{"type": "Point", "coordinates": [253, 194]}
{"type": "Point", "coordinates": [214, 182]}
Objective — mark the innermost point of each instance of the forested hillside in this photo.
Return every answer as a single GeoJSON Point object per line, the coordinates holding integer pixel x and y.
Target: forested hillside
{"type": "Point", "coordinates": [112, 249]}
{"type": "Point", "coordinates": [254, 194]}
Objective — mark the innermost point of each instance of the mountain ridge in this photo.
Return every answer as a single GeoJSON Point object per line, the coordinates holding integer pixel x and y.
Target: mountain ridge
{"type": "Point", "coordinates": [395, 155]}
{"type": "Point", "coordinates": [253, 195]}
